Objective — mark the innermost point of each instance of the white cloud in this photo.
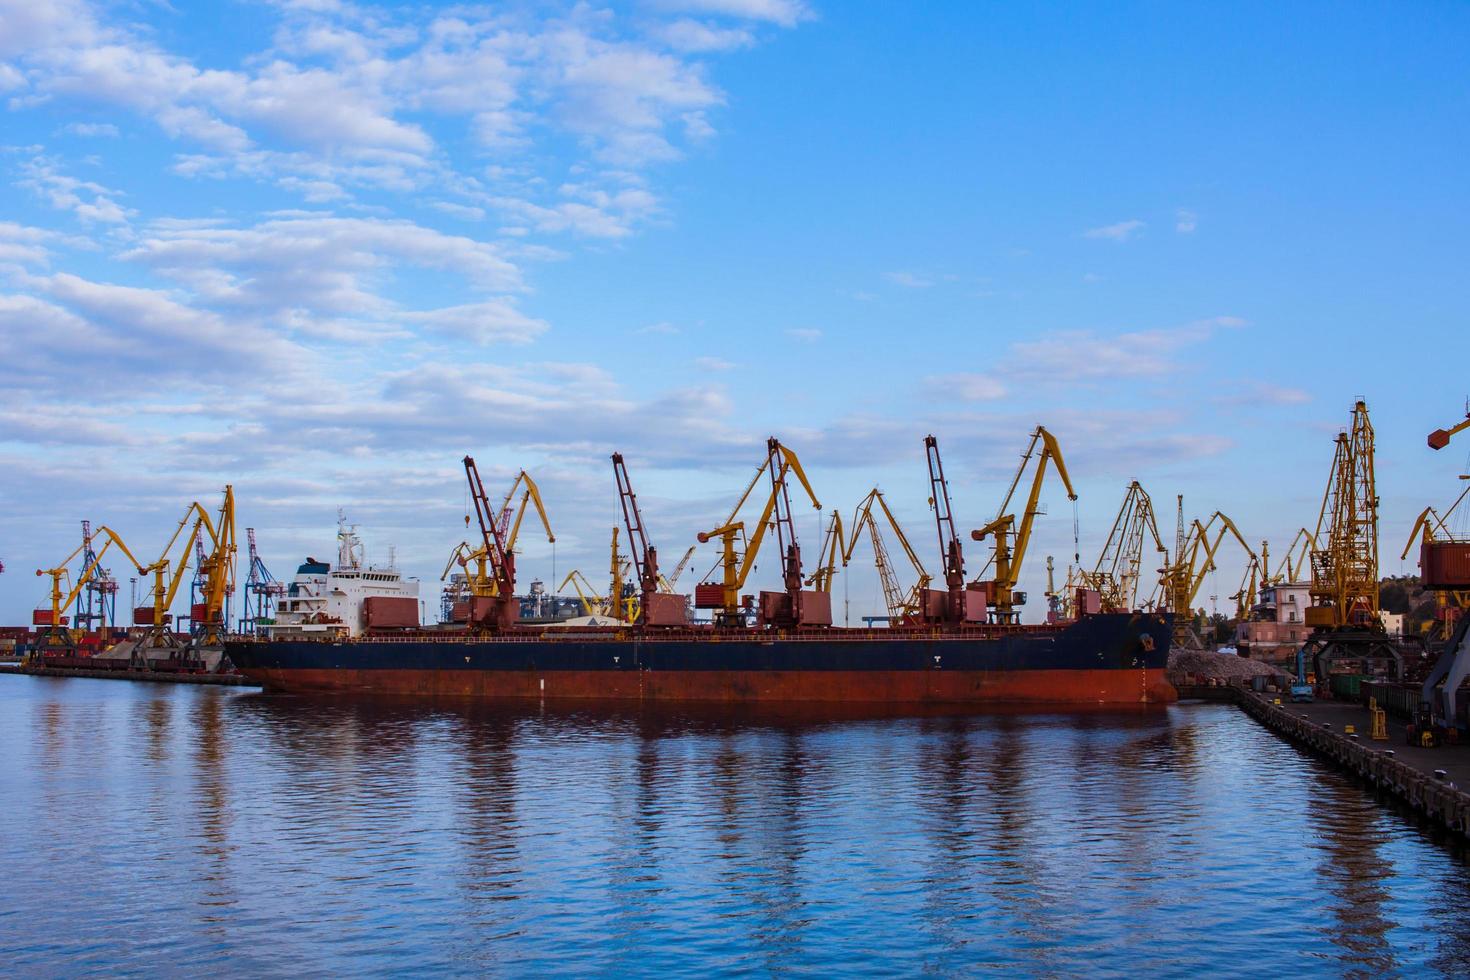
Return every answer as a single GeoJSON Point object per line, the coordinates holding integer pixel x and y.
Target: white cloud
{"type": "Point", "coordinates": [807, 335]}
{"type": "Point", "coordinates": [486, 322]}
{"type": "Point", "coordinates": [319, 262]}
{"type": "Point", "coordinates": [1185, 222]}
{"type": "Point", "coordinates": [90, 129]}
{"type": "Point", "coordinates": [88, 200]}
{"type": "Point", "coordinates": [714, 364]}
{"type": "Point", "coordinates": [1084, 355]}
{"type": "Point", "coordinates": [661, 328]}
{"type": "Point", "coordinates": [685, 34]}
{"type": "Point", "coordinates": [970, 387]}
{"type": "Point", "coordinates": [1265, 394]}
{"type": "Point", "coordinates": [1122, 231]}
{"type": "Point", "coordinates": [909, 280]}
{"type": "Point", "coordinates": [786, 13]}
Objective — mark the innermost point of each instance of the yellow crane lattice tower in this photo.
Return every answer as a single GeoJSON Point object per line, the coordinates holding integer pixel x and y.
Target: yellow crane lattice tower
{"type": "Point", "coordinates": [1345, 569]}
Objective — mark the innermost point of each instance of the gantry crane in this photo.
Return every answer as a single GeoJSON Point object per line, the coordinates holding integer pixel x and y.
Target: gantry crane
{"type": "Point", "coordinates": [1119, 568]}
{"type": "Point", "coordinates": [97, 605]}
{"type": "Point", "coordinates": [1344, 615]}
{"type": "Point", "coordinates": [262, 591]}
{"type": "Point", "coordinates": [794, 606]}
{"type": "Point", "coordinates": [210, 617]}
{"type": "Point", "coordinates": [54, 637]}
{"type": "Point", "coordinates": [1011, 537]}
{"type": "Point", "coordinates": [655, 607]}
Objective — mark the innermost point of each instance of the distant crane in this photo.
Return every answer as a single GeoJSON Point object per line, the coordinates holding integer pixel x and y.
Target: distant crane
{"type": "Point", "coordinates": [97, 605]}
{"type": "Point", "coordinates": [1119, 568]}
{"type": "Point", "coordinates": [262, 591]}
{"type": "Point", "coordinates": [1196, 545]}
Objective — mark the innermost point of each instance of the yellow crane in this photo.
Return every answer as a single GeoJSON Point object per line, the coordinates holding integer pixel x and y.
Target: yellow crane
{"type": "Point", "coordinates": [1194, 558]}
{"type": "Point", "coordinates": [902, 604]}
{"type": "Point", "coordinates": [1296, 564]}
{"type": "Point", "coordinates": [1011, 537]}
{"type": "Point", "coordinates": [670, 582]}
{"type": "Point", "coordinates": [156, 617]}
{"type": "Point", "coordinates": [592, 603]}
{"type": "Point", "coordinates": [55, 634]}
{"type": "Point", "coordinates": [1119, 568]}
{"type": "Point", "coordinates": [736, 564]}
{"type": "Point", "coordinates": [479, 582]}
{"type": "Point", "coordinates": [217, 572]}
{"type": "Point", "coordinates": [1431, 527]}
{"type": "Point", "coordinates": [1440, 438]}
{"type": "Point", "coordinates": [1345, 567]}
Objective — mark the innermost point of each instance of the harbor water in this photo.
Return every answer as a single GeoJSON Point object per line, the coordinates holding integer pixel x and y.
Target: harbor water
{"type": "Point", "coordinates": [156, 829]}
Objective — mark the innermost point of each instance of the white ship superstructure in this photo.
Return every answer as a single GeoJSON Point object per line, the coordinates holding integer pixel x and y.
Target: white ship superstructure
{"type": "Point", "coordinates": [333, 600]}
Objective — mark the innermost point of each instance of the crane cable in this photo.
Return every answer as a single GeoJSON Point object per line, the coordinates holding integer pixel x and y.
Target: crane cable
{"type": "Point", "coordinates": [1076, 535]}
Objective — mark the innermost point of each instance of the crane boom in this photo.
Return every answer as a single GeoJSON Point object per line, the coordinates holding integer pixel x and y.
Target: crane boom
{"type": "Point", "coordinates": [779, 463]}
{"type": "Point", "coordinates": [1440, 438]}
{"type": "Point", "coordinates": [951, 553]}
{"type": "Point", "coordinates": [1012, 539]}
{"type": "Point", "coordinates": [498, 611]}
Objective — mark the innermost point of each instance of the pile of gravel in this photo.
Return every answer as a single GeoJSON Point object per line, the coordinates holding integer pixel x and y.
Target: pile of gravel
{"type": "Point", "coordinates": [1222, 666]}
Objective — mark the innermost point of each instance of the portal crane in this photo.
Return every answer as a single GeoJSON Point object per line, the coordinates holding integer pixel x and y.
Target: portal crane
{"type": "Point", "coordinates": [1118, 571]}
{"type": "Point", "coordinates": [1011, 540]}
{"type": "Point", "coordinates": [1181, 579]}
{"type": "Point", "coordinates": [1440, 438]}
{"type": "Point", "coordinates": [1344, 615]}
{"type": "Point", "coordinates": [671, 581]}
{"type": "Point", "coordinates": [951, 554]}
{"type": "Point", "coordinates": [156, 617]}
{"type": "Point", "coordinates": [54, 634]}
{"type": "Point", "coordinates": [903, 605]}
{"type": "Point", "coordinates": [1444, 568]}
{"type": "Point", "coordinates": [592, 603]}
{"type": "Point", "coordinates": [498, 611]}
{"type": "Point", "coordinates": [655, 608]}
{"type": "Point", "coordinates": [736, 566]}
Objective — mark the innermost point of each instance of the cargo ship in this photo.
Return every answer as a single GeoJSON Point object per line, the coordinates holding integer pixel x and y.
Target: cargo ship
{"type": "Point", "coordinates": [1116, 658]}
{"type": "Point", "coordinates": [355, 631]}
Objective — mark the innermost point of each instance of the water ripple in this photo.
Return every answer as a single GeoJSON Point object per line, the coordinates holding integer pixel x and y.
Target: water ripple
{"type": "Point", "coordinates": [165, 830]}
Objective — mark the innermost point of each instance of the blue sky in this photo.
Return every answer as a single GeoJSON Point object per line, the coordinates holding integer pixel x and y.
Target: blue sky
{"type": "Point", "coordinates": [320, 250]}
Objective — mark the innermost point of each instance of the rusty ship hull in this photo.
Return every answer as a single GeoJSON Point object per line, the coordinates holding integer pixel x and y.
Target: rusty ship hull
{"type": "Point", "coordinates": [1099, 659]}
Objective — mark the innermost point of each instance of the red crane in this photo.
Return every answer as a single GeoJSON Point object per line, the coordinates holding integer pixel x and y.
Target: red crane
{"type": "Point", "coordinates": [654, 608]}
{"type": "Point", "coordinates": [501, 609]}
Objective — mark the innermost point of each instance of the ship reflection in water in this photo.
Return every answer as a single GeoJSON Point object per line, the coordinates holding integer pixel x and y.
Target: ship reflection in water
{"type": "Point", "coordinates": [165, 829]}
